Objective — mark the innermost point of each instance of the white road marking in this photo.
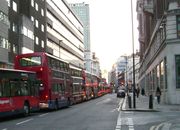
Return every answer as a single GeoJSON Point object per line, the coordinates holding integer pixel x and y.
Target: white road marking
{"type": "Point", "coordinates": [119, 120]}
{"type": "Point", "coordinates": [118, 126]}
{"type": "Point", "coordinates": [43, 114]}
{"type": "Point", "coordinates": [128, 112]}
{"type": "Point", "coordinates": [158, 126]}
{"type": "Point", "coordinates": [152, 127]}
{"type": "Point", "coordinates": [131, 124]}
{"type": "Point", "coordinates": [4, 129]}
{"type": "Point", "coordinates": [24, 121]}
{"type": "Point", "coordinates": [166, 126]}
{"type": "Point", "coordinates": [124, 104]}
{"type": "Point", "coordinates": [131, 127]}
{"type": "Point", "coordinates": [120, 104]}
{"type": "Point", "coordinates": [119, 108]}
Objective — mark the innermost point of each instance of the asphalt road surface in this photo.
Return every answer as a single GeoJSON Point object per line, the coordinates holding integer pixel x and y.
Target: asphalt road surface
{"type": "Point", "coordinates": [96, 114]}
{"type": "Point", "coordinates": [102, 113]}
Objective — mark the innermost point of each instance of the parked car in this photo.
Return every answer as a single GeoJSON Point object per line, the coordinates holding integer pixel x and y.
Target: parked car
{"type": "Point", "coordinates": [121, 93]}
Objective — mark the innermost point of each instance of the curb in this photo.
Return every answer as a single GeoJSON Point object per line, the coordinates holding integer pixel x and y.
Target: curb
{"type": "Point", "coordinates": [140, 110]}
{"type": "Point", "coordinates": [135, 109]}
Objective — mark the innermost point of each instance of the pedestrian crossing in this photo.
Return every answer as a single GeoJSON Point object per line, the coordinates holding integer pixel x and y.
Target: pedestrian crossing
{"type": "Point", "coordinates": [129, 124]}
{"type": "Point", "coordinates": [162, 126]}
{"type": "Point", "coordinates": [125, 121]}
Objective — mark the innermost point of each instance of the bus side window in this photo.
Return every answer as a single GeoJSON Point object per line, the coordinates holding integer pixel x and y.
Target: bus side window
{"type": "Point", "coordinates": [60, 88]}
{"type": "Point", "coordinates": [24, 88]}
{"type": "Point", "coordinates": [53, 63]}
{"type": "Point", "coordinates": [1, 88]}
{"type": "Point", "coordinates": [31, 86]}
{"type": "Point", "coordinates": [61, 65]}
{"type": "Point", "coordinates": [63, 89]}
{"type": "Point", "coordinates": [6, 88]}
{"type": "Point", "coordinates": [15, 88]}
{"type": "Point", "coordinates": [55, 88]}
{"type": "Point", "coordinates": [49, 62]}
{"type": "Point", "coordinates": [34, 89]}
{"type": "Point", "coordinates": [38, 85]}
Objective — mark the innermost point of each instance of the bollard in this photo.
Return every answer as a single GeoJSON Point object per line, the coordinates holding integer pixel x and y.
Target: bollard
{"type": "Point", "coordinates": [150, 101]}
{"type": "Point", "coordinates": [129, 101]}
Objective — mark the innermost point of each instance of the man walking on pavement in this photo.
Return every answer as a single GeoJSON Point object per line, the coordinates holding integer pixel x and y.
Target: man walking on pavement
{"type": "Point", "coordinates": [158, 94]}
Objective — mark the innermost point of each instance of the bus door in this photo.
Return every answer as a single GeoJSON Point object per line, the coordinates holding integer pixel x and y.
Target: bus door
{"type": "Point", "coordinates": [58, 91]}
{"type": "Point", "coordinates": [61, 94]}
{"type": "Point", "coordinates": [5, 99]}
{"type": "Point", "coordinates": [62, 90]}
{"type": "Point", "coordinates": [17, 90]}
{"type": "Point", "coordinates": [33, 91]}
{"type": "Point", "coordinates": [55, 94]}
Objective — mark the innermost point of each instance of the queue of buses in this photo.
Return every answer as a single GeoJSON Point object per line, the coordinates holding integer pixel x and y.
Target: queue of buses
{"type": "Point", "coordinates": [40, 80]}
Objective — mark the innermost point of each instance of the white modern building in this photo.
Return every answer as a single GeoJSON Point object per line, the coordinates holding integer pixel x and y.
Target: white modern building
{"type": "Point", "coordinates": [82, 11]}
{"type": "Point", "coordinates": [64, 33]}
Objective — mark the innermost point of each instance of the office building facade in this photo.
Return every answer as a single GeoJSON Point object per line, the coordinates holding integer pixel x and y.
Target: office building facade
{"type": "Point", "coordinates": [159, 38]}
{"type": "Point", "coordinates": [4, 26]}
{"type": "Point", "coordinates": [64, 33]}
{"type": "Point", "coordinates": [43, 26]}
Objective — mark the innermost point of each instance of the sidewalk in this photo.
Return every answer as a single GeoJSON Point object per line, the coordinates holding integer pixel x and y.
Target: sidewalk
{"type": "Point", "coordinates": [142, 104]}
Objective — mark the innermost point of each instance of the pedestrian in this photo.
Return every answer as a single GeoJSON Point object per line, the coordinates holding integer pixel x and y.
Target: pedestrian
{"type": "Point", "coordinates": [142, 91]}
{"type": "Point", "coordinates": [137, 91]}
{"type": "Point", "coordinates": [158, 94]}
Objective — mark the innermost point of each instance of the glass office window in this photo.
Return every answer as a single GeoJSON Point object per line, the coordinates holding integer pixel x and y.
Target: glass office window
{"type": "Point", "coordinates": [178, 26]}
{"type": "Point", "coordinates": [14, 6]}
{"type": "Point", "coordinates": [32, 3]}
{"type": "Point", "coordinates": [37, 41]}
{"type": "Point", "coordinates": [177, 61]}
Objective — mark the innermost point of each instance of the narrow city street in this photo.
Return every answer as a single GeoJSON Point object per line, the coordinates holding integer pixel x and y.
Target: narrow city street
{"type": "Point", "coordinates": [89, 65]}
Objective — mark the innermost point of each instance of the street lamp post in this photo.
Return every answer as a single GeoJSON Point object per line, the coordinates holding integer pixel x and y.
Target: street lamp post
{"type": "Point", "coordinates": [126, 74]}
{"type": "Point", "coordinates": [134, 97]}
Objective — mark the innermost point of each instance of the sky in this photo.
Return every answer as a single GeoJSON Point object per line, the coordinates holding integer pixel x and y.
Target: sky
{"type": "Point", "coordinates": [111, 29]}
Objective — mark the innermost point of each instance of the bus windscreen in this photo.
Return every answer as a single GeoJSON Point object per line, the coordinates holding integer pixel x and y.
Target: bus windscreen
{"type": "Point", "coordinates": [30, 61]}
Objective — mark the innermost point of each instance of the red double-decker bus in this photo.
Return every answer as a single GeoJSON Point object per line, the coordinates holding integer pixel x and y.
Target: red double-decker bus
{"type": "Point", "coordinates": [78, 93]}
{"type": "Point", "coordinates": [88, 85]}
{"type": "Point", "coordinates": [95, 84]}
{"type": "Point", "coordinates": [18, 92]}
{"type": "Point", "coordinates": [55, 90]}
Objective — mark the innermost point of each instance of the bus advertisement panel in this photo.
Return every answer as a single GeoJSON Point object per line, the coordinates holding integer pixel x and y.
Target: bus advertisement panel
{"type": "Point", "coordinates": [18, 92]}
{"type": "Point", "coordinates": [55, 90]}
